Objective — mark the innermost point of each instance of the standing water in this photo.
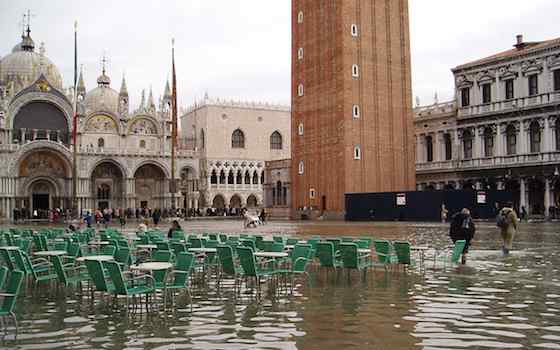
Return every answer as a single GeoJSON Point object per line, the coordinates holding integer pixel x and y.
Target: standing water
{"type": "Point", "coordinates": [491, 303]}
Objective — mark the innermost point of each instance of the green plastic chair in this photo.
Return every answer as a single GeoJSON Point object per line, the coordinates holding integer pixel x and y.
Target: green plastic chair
{"type": "Point", "coordinates": [130, 287]}
{"type": "Point", "coordinates": [227, 265]}
{"type": "Point", "coordinates": [384, 251]}
{"type": "Point", "coordinates": [249, 243]}
{"type": "Point", "coordinates": [180, 276]}
{"type": "Point", "coordinates": [97, 275]}
{"type": "Point", "coordinates": [8, 261]}
{"type": "Point", "coordinates": [336, 243]}
{"type": "Point", "coordinates": [351, 259]}
{"type": "Point", "coordinates": [326, 254]}
{"type": "Point", "coordinates": [453, 256]}
{"type": "Point", "coordinates": [13, 287]}
{"type": "Point", "coordinates": [40, 269]}
{"type": "Point", "coordinates": [108, 250]}
{"type": "Point", "coordinates": [69, 275]}
{"type": "Point", "coordinates": [223, 238]}
{"type": "Point", "coordinates": [267, 246]}
{"type": "Point", "coordinates": [402, 251]}
{"type": "Point", "coordinates": [123, 257]}
{"type": "Point", "coordinates": [250, 268]}
{"type": "Point", "coordinates": [277, 247]}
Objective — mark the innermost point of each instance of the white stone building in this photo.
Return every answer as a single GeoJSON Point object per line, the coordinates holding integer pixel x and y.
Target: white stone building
{"type": "Point", "coordinates": [124, 158]}
{"type": "Point", "coordinates": [234, 140]}
{"type": "Point", "coordinates": [501, 132]}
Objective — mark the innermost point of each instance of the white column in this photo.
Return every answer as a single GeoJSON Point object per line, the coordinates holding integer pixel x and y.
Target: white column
{"type": "Point", "coordinates": [419, 149]}
{"type": "Point", "coordinates": [476, 144]}
{"type": "Point", "coordinates": [522, 194]}
{"type": "Point", "coordinates": [522, 139]}
{"type": "Point", "coordinates": [547, 136]}
{"type": "Point", "coordinates": [546, 197]}
{"type": "Point", "coordinates": [436, 147]}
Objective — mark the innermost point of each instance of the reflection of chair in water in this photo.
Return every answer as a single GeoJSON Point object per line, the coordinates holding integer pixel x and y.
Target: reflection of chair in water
{"type": "Point", "coordinates": [452, 256]}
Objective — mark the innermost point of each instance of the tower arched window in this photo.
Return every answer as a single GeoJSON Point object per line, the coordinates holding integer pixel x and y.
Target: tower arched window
{"type": "Point", "coordinates": [356, 111]}
{"type": "Point", "coordinates": [300, 17]}
{"type": "Point", "coordinates": [100, 142]}
{"type": "Point", "coordinates": [535, 137]}
{"type": "Point", "coordinates": [511, 140]}
{"type": "Point", "coordinates": [354, 30]}
{"type": "Point", "coordinates": [300, 53]}
{"type": "Point", "coordinates": [300, 90]}
{"type": "Point", "coordinates": [276, 140]}
{"type": "Point", "coordinates": [238, 139]}
{"type": "Point", "coordinates": [357, 153]}
{"type": "Point", "coordinates": [301, 168]}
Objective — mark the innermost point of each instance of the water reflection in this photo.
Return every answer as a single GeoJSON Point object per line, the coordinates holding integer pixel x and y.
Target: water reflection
{"type": "Point", "coordinates": [492, 303]}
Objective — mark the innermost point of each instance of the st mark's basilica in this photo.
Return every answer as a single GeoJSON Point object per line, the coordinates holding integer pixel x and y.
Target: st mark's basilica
{"type": "Point", "coordinates": [124, 153]}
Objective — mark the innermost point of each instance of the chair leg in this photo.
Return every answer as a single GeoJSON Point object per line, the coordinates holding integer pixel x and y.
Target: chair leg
{"type": "Point", "coordinates": [15, 323]}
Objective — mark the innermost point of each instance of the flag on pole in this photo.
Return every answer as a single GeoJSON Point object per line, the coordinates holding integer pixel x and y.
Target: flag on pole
{"type": "Point", "coordinates": [174, 98]}
{"type": "Point", "coordinates": [75, 116]}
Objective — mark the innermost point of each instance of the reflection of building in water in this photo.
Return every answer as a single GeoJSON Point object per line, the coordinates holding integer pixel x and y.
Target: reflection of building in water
{"type": "Point", "coordinates": [502, 131]}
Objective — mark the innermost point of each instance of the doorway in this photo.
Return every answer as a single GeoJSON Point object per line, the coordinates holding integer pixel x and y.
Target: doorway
{"type": "Point", "coordinates": [323, 203]}
{"type": "Point", "coordinates": [41, 206]}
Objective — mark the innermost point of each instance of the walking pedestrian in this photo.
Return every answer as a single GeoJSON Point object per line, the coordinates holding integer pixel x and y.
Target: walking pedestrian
{"type": "Point", "coordinates": [507, 222]}
{"type": "Point", "coordinates": [462, 228]}
{"type": "Point", "coordinates": [444, 213]}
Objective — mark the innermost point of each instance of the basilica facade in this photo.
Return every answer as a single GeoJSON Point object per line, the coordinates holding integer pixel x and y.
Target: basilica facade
{"type": "Point", "coordinates": [123, 155]}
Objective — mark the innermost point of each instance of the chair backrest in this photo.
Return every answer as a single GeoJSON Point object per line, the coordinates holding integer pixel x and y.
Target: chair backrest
{"type": "Point", "coordinates": [278, 239]}
{"type": "Point", "coordinates": [163, 256]}
{"type": "Point", "coordinates": [20, 262]}
{"type": "Point", "coordinates": [61, 246]}
{"type": "Point", "coordinates": [108, 250]}
{"type": "Point", "coordinates": [24, 244]}
{"type": "Point", "coordinates": [383, 250]}
{"type": "Point", "coordinates": [349, 255]}
{"type": "Point", "coordinates": [116, 277]}
{"type": "Point", "coordinates": [225, 256]}
{"type": "Point", "coordinates": [278, 247]}
{"type": "Point", "coordinates": [6, 257]}
{"type": "Point", "coordinates": [247, 260]}
{"type": "Point", "coordinates": [223, 238]}
{"type": "Point", "coordinates": [59, 269]}
{"type": "Point", "coordinates": [211, 243]}
{"type": "Point", "coordinates": [195, 242]}
{"type": "Point", "coordinates": [122, 255]}
{"type": "Point", "coordinates": [362, 243]}
{"type": "Point", "coordinates": [292, 241]}
{"type": "Point", "coordinates": [249, 243]}
{"type": "Point", "coordinates": [13, 287]}
{"type": "Point", "coordinates": [178, 235]}
{"type": "Point", "coordinates": [402, 250]}
{"type": "Point", "coordinates": [325, 253]}
{"type": "Point", "coordinates": [347, 239]}
{"type": "Point", "coordinates": [267, 245]}
{"type": "Point", "coordinates": [162, 246]}
{"type": "Point", "coordinates": [29, 265]}
{"type": "Point", "coordinates": [74, 249]}
{"type": "Point", "coordinates": [3, 274]}
{"type": "Point", "coordinates": [43, 241]}
{"type": "Point", "coordinates": [188, 263]}
{"type": "Point", "coordinates": [458, 251]}
{"type": "Point", "coordinates": [122, 243]}
{"type": "Point", "coordinates": [178, 248]}
{"type": "Point", "coordinates": [185, 262]}
{"type": "Point", "coordinates": [95, 270]}
{"type": "Point", "coordinates": [335, 242]}
{"type": "Point", "coordinates": [301, 251]}
{"type": "Point", "coordinates": [213, 236]}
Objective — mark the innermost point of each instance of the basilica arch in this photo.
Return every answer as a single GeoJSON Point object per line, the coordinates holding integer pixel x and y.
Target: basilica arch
{"type": "Point", "coordinates": [151, 186]}
{"type": "Point", "coordinates": [107, 185]}
{"type": "Point", "coordinates": [44, 181]}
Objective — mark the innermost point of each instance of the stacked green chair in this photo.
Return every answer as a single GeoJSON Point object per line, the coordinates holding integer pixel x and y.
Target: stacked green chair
{"type": "Point", "coordinates": [123, 257]}
{"type": "Point", "coordinates": [40, 269]}
{"type": "Point", "coordinates": [13, 287]}
{"type": "Point", "coordinates": [384, 252]}
{"type": "Point", "coordinates": [7, 258]}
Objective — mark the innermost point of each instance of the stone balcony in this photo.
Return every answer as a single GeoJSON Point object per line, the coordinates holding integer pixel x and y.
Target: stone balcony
{"type": "Point", "coordinates": [509, 105]}
{"type": "Point", "coordinates": [236, 187]}
{"type": "Point", "coordinates": [534, 159]}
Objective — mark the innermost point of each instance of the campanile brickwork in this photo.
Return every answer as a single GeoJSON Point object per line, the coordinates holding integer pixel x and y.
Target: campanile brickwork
{"type": "Point", "coordinates": [351, 98]}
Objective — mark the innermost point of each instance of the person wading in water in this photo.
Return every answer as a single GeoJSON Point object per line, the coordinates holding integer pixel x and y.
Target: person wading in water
{"type": "Point", "coordinates": [462, 228]}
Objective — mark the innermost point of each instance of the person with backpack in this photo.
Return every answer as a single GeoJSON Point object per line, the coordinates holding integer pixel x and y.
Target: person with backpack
{"type": "Point", "coordinates": [462, 228]}
{"type": "Point", "coordinates": [507, 222]}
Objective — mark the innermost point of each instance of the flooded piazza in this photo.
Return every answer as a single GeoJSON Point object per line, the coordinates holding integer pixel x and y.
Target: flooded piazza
{"type": "Point", "coordinates": [491, 303]}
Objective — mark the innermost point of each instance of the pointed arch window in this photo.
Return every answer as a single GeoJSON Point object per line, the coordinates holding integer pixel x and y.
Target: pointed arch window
{"type": "Point", "coordinates": [238, 139]}
{"type": "Point", "coordinates": [214, 178]}
{"type": "Point", "coordinates": [276, 141]}
{"type": "Point", "coordinates": [222, 177]}
{"type": "Point", "coordinates": [255, 178]}
{"type": "Point", "coordinates": [247, 178]}
{"type": "Point", "coordinates": [262, 178]}
{"type": "Point", "coordinates": [230, 178]}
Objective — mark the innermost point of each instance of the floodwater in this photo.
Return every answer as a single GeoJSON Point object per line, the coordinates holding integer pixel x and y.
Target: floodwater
{"type": "Point", "coordinates": [491, 303]}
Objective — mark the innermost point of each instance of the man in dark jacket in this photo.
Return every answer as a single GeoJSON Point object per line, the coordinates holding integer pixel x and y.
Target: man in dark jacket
{"type": "Point", "coordinates": [462, 228]}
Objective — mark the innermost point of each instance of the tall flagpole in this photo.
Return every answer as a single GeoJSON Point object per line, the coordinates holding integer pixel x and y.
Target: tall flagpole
{"type": "Point", "coordinates": [173, 184]}
{"type": "Point", "coordinates": [75, 126]}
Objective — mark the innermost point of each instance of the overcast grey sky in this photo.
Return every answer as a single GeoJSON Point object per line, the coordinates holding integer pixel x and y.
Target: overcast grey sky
{"type": "Point", "coordinates": [240, 49]}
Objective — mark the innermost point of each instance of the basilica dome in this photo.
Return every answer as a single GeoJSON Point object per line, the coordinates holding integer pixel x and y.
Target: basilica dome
{"type": "Point", "coordinates": [103, 98]}
{"type": "Point", "coordinates": [23, 66]}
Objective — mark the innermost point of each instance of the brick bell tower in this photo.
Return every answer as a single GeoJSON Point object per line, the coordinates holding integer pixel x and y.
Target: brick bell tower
{"type": "Point", "coordinates": [352, 127]}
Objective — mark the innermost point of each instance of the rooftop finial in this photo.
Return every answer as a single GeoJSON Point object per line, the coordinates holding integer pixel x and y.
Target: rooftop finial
{"type": "Point", "coordinates": [103, 62]}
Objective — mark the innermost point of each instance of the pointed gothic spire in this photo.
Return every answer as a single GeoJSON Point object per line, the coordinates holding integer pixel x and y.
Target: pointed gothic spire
{"type": "Point", "coordinates": [81, 83]}
{"type": "Point", "coordinates": [143, 100]}
{"type": "Point", "coordinates": [124, 90]}
{"type": "Point", "coordinates": [151, 98]}
{"type": "Point", "coordinates": [167, 92]}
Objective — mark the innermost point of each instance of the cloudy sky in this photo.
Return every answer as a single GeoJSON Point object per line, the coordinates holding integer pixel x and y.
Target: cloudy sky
{"type": "Point", "coordinates": [240, 49]}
